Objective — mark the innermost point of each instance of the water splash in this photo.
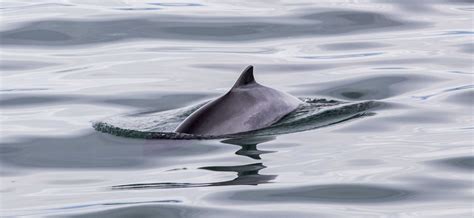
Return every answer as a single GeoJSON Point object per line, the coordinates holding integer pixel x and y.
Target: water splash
{"type": "Point", "coordinates": [315, 113]}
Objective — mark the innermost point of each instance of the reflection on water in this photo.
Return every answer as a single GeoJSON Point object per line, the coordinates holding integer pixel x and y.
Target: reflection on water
{"type": "Point", "coordinates": [399, 72]}
{"type": "Point", "coordinates": [249, 146]}
{"type": "Point", "coordinates": [246, 174]}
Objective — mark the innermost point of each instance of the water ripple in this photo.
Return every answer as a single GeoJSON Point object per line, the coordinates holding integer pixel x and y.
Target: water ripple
{"type": "Point", "coordinates": [202, 28]}
{"type": "Point", "coordinates": [332, 193]}
{"type": "Point", "coordinates": [332, 57]}
{"type": "Point", "coordinates": [465, 163]}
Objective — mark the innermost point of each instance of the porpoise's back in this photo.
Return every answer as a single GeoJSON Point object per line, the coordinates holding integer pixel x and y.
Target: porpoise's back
{"type": "Point", "coordinates": [247, 106]}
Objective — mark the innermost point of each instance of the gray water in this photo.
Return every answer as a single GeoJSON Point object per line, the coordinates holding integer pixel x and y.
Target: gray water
{"type": "Point", "coordinates": [67, 64]}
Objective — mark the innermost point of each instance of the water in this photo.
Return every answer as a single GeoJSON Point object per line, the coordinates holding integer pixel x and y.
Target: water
{"type": "Point", "coordinates": [66, 65]}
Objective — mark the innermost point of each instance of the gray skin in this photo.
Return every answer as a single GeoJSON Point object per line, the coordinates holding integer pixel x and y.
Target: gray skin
{"type": "Point", "coordinates": [247, 106]}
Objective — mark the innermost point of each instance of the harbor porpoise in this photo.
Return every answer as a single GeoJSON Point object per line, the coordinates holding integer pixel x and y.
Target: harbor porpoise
{"type": "Point", "coordinates": [245, 107]}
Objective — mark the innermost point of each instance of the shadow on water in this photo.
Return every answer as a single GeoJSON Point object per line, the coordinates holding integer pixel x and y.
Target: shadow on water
{"type": "Point", "coordinates": [202, 28]}
{"type": "Point", "coordinates": [246, 174]}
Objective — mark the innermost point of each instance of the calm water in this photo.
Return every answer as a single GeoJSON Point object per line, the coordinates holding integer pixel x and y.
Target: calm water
{"type": "Point", "coordinates": [66, 64]}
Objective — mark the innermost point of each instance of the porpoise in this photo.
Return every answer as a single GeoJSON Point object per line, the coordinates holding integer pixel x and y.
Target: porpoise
{"type": "Point", "coordinates": [245, 107]}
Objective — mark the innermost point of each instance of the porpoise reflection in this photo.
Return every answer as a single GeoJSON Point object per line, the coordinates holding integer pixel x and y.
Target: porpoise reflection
{"type": "Point", "coordinates": [245, 107]}
{"type": "Point", "coordinates": [247, 174]}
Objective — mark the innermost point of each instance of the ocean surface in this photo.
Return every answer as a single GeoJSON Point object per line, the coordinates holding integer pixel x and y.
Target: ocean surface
{"type": "Point", "coordinates": [86, 86]}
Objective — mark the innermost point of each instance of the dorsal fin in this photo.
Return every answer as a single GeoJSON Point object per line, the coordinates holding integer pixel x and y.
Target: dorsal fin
{"type": "Point", "coordinates": [245, 78]}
